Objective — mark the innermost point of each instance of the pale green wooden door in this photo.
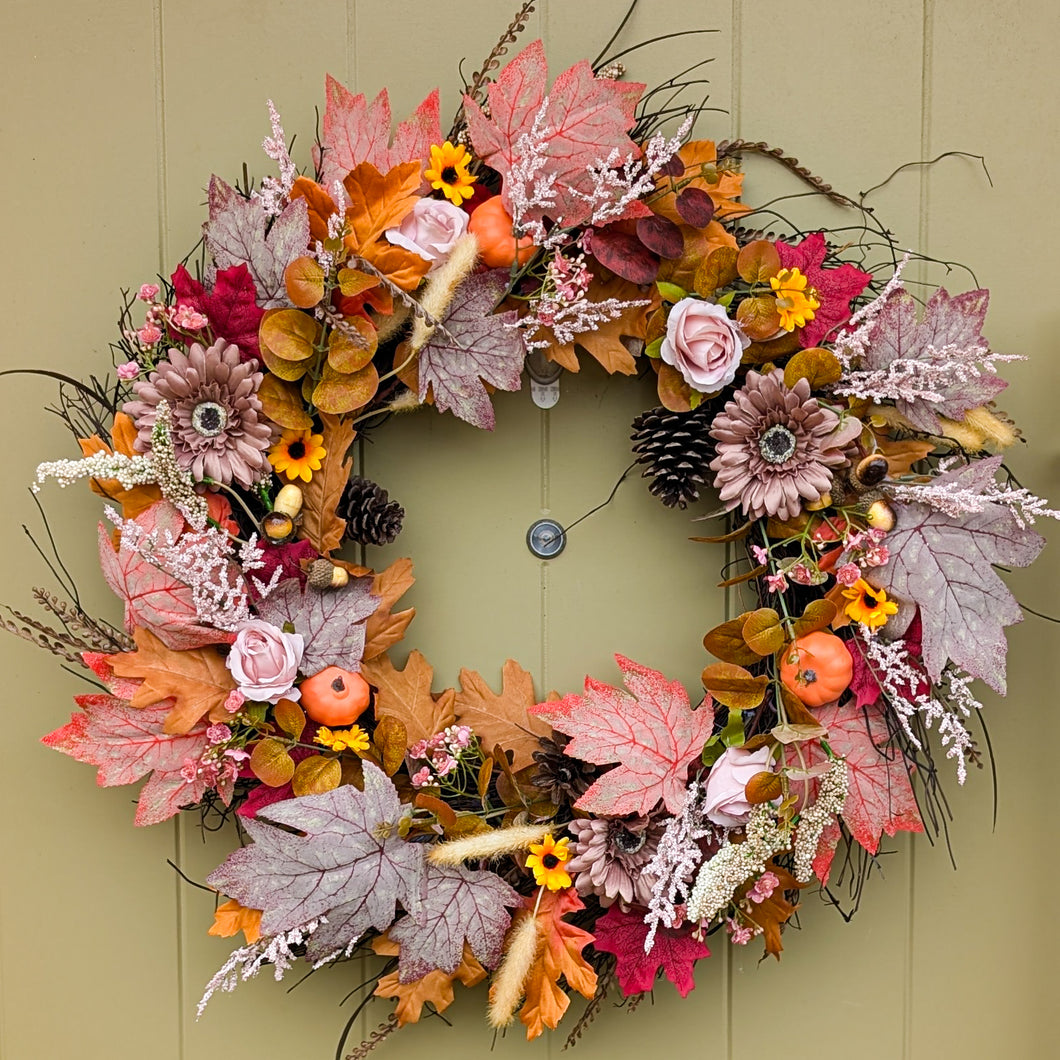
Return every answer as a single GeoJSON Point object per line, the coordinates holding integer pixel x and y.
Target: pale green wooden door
{"type": "Point", "coordinates": [113, 117]}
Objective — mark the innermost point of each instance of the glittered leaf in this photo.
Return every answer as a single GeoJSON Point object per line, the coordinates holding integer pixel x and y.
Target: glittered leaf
{"type": "Point", "coordinates": [944, 565]}
{"type": "Point", "coordinates": [673, 951]}
{"type": "Point", "coordinates": [406, 694]}
{"type": "Point", "coordinates": [460, 904]}
{"type": "Point", "coordinates": [482, 349]}
{"type": "Point", "coordinates": [583, 120]}
{"type": "Point", "coordinates": [231, 306]}
{"type": "Point", "coordinates": [718, 269]}
{"type": "Point", "coordinates": [331, 621]}
{"type": "Point", "coordinates": [654, 734]}
{"type": "Point", "coordinates": [758, 316]}
{"type": "Point", "coordinates": [240, 233]}
{"type": "Point", "coordinates": [502, 718]}
{"type": "Point", "coordinates": [391, 739]}
{"type": "Point", "coordinates": [347, 354]}
{"type": "Point", "coordinates": [290, 717]}
{"type": "Point", "coordinates": [127, 744]}
{"type": "Point", "coordinates": [339, 854]}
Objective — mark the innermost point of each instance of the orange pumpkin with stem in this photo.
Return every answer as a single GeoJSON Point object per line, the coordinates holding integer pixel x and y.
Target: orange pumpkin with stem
{"type": "Point", "coordinates": [817, 668]}
{"type": "Point", "coordinates": [491, 225]}
{"type": "Point", "coordinates": [335, 697]}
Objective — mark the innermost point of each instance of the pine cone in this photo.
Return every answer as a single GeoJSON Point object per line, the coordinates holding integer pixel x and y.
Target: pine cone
{"type": "Point", "coordinates": [677, 449]}
{"type": "Point", "coordinates": [372, 518]}
{"type": "Point", "coordinates": [563, 779]}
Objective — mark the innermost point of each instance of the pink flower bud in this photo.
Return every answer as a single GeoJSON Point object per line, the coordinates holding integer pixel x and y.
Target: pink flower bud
{"type": "Point", "coordinates": [147, 292]}
{"type": "Point", "coordinates": [128, 370]}
{"type": "Point", "coordinates": [149, 334]}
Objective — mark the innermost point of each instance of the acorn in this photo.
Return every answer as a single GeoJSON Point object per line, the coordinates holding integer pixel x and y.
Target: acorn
{"type": "Point", "coordinates": [288, 501]}
{"type": "Point", "coordinates": [822, 502]}
{"type": "Point", "coordinates": [880, 516]}
{"type": "Point", "coordinates": [323, 574]}
{"type": "Point", "coordinates": [277, 527]}
{"type": "Point", "coordinates": [870, 471]}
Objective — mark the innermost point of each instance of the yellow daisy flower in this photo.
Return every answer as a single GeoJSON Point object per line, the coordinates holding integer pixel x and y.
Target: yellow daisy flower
{"type": "Point", "coordinates": [868, 605]}
{"type": "Point", "coordinates": [351, 739]}
{"type": "Point", "coordinates": [794, 302]}
{"type": "Point", "coordinates": [448, 173]}
{"type": "Point", "coordinates": [546, 862]}
{"type": "Point", "coordinates": [298, 454]}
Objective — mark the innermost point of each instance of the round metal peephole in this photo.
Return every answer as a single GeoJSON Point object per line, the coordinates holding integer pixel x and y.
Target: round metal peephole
{"type": "Point", "coordinates": [546, 539]}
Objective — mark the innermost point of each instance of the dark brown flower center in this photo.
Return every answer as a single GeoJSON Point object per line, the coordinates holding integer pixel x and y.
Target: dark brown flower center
{"type": "Point", "coordinates": [449, 175]}
{"type": "Point", "coordinates": [550, 861]}
{"type": "Point", "coordinates": [296, 450]}
{"type": "Point", "coordinates": [777, 444]}
{"type": "Point", "coordinates": [209, 419]}
{"type": "Point", "coordinates": [869, 601]}
{"type": "Point", "coordinates": [627, 841]}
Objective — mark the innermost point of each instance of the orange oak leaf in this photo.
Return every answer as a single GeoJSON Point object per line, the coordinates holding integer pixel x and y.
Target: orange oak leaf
{"type": "Point", "coordinates": [502, 718]}
{"type": "Point", "coordinates": [384, 628]}
{"type": "Point", "coordinates": [321, 526]}
{"type": "Point", "coordinates": [561, 954]}
{"type": "Point", "coordinates": [231, 918]}
{"type": "Point", "coordinates": [378, 201]}
{"type": "Point", "coordinates": [775, 910]}
{"type": "Point", "coordinates": [435, 988]}
{"type": "Point", "coordinates": [406, 695]}
{"type": "Point", "coordinates": [196, 679]}
{"type": "Point", "coordinates": [605, 342]}
{"type": "Point", "coordinates": [400, 266]}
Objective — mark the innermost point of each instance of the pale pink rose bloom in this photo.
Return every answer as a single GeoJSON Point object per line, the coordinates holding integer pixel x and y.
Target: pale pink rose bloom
{"type": "Point", "coordinates": [130, 369]}
{"type": "Point", "coordinates": [264, 661]}
{"type": "Point", "coordinates": [430, 230]}
{"type": "Point", "coordinates": [724, 801]}
{"type": "Point", "coordinates": [147, 291]}
{"type": "Point", "coordinates": [703, 344]}
{"type": "Point", "coordinates": [848, 574]}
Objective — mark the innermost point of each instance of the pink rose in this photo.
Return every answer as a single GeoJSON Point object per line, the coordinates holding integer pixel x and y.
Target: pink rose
{"type": "Point", "coordinates": [430, 230]}
{"type": "Point", "coordinates": [703, 344]}
{"type": "Point", "coordinates": [264, 661]}
{"type": "Point", "coordinates": [724, 801]}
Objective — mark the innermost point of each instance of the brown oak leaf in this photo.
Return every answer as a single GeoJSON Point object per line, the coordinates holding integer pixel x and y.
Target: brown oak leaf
{"type": "Point", "coordinates": [776, 909]}
{"type": "Point", "coordinates": [501, 717]}
{"type": "Point", "coordinates": [385, 628]}
{"type": "Point", "coordinates": [435, 988]}
{"type": "Point", "coordinates": [197, 680]}
{"type": "Point", "coordinates": [321, 525]}
{"type": "Point", "coordinates": [406, 695]}
{"type": "Point", "coordinates": [231, 918]}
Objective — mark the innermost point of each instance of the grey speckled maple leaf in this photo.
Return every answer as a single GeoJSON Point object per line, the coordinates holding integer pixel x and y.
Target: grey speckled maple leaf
{"type": "Point", "coordinates": [488, 350]}
{"type": "Point", "coordinates": [350, 863]}
{"type": "Point", "coordinates": [949, 323]}
{"type": "Point", "coordinates": [459, 904]}
{"type": "Point", "coordinates": [945, 566]}
{"type": "Point", "coordinates": [236, 235]}
{"type": "Point", "coordinates": [330, 620]}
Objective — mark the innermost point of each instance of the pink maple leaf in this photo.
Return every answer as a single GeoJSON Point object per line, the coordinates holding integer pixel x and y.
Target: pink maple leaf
{"type": "Point", "coordinates": [675, 951]}
{"type": "Point", "coordinates": [154, 599]}
{"type": "Point", "coordinates": [826, 848]}
{"type": "Point", "coordinates": [880, 799]}
{"type": "Point", "coordinates": [583, 118]}
{"type": "Point", "coordinates": [654, 734]}
{"type": "Point", "coordinates": [835, 288]}
{"type": "Point", "coordinates": [231, 307]}
{"type": "Point", "coordinates": [356, 131]}
{"type": "Point", "coordinates": [127, 744]}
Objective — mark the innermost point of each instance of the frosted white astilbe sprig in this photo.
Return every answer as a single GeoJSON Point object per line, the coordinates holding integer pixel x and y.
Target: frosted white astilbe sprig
{"type": "Point", "coordinates": [831, 796]}
{"type": "Point", "coordinates": [676, 859]}
{"type": "Point", "coordinates": [618, 182]}
{"type": "Point", "coordinates": [852, 343]}
{"type": "Point", "coordinates": [247, 961]}
{"type": "Point", "coordinates": [723, 874]}
{"type": "Point", "coordinates": [203, 560]}
{"type": "Point", "coordinates": [159, 468]}
{"type": "Point", "coordinates": [955, 499]}
{"type": "Point", "coordinates": [529, 188]}
{"type": "Point", "coordinates": [275, 193]}
{"type": "Point", "coordinates": [907, 689]}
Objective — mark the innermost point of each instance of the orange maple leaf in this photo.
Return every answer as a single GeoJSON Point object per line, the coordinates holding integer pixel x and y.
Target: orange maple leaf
{"type": "Point", "coordinates": [435, 987]}
{"type": "Point", "coordinates": [231, 918]}
{"type": "Point", "coordinates": [502, 718]}
{"type": "Point", "coordinates": [123, 435]}
{"type": "Point", "coordinates": [406, 695]}
{"type": "Point", "coordinates": [561, 954]}
{"type": "Point", "coordinates": [384, 628]}
{"type": "Point", "coordinates": [197, 680]}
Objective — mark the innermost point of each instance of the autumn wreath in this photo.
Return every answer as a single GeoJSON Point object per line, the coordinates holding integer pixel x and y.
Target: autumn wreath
{"type": "Point", "coordinates": [591, 840]}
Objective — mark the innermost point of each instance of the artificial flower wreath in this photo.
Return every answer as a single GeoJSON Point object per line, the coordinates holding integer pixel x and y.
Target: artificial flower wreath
{"type": "Point", "coordinates": [565, 845]}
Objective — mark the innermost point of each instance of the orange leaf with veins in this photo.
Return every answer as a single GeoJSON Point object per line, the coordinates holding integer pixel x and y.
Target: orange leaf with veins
{"type": "Point", "coordinates": [231, 918]}
{"type": "Point", "coordinates": [384, 628]}
{"type": "Point", "coordinates": [406, 695]}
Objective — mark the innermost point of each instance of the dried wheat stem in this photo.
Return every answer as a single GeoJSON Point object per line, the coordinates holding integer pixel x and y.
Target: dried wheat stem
{"type": "Point", "coordinates": [487, 844]}
{"type": "Point", "coordinates": [507, 991]}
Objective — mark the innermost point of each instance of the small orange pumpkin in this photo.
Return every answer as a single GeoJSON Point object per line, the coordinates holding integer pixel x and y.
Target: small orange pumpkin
{"type": "Point", "coordinates": [491, 225]}
{"type": "Point", "coordinates": [817, 668]}
{"type": "Point", "coordinates": [335, 697]}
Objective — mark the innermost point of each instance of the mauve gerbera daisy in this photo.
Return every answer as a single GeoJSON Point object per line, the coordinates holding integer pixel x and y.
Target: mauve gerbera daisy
{"type": "Point", "coordinates": [213, 395]}
{"type": "Point", "coordinates": [610, 856]}
{"type": "Point", "coordinates": [777, 447]}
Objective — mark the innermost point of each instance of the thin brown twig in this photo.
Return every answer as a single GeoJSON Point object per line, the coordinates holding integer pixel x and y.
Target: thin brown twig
{"type": "Point", "coordinates": [377, 1037]}
{"type": "Point", "coordinates": [736, 147]}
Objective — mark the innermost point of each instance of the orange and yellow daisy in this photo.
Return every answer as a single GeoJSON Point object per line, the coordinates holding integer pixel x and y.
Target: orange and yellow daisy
{"type": "Point", "coordinates": [794, 302]}
{"type": "Point", "coordinates": [298, 454]}
{"type": "Point", "coordinates": [351, 739]}
{"type": "Point", "coordinates": [546, 862]}
{"type": "Point", "coordinates": [448, 172]}
{"type": "Point", "coordinates": [868, 605]}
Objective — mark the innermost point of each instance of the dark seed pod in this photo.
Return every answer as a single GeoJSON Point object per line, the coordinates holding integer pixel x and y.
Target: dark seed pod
{"type": "Point", "coordinates": [870, 471]}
